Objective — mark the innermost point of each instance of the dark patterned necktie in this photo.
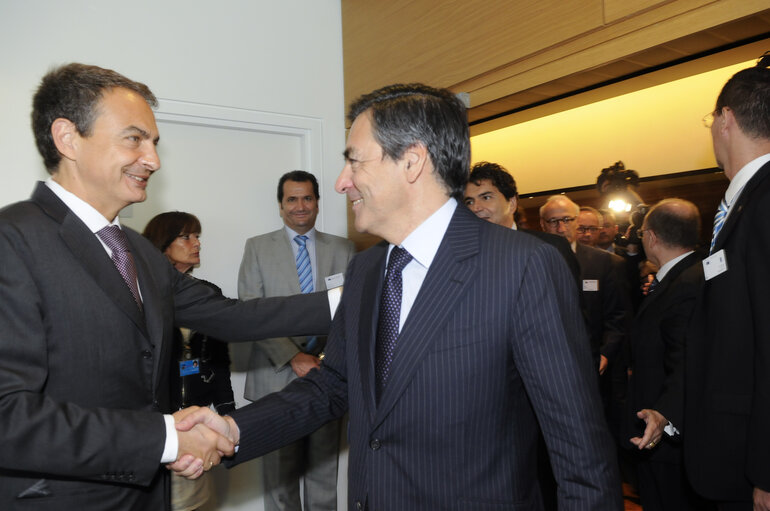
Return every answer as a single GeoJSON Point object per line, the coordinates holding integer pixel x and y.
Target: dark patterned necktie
{"type": "Point", "coordinates": [653, 285]}
{"type": "Point", "coordinates": [390, 314]}
{"type": "Point", "coordinates": [115, 238]}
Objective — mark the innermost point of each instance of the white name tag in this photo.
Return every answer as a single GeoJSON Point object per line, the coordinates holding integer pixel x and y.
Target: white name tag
{"type": "Point", "coordinates": [590, 285]}
{"type": "Point", "coordinates": [715, 264]}
{"type": "Point", "coordinates": [336, 280]}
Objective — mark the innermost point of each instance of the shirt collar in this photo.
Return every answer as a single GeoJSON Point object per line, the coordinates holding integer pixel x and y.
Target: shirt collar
{"type": "Point", "coordinates": [94, 220]}
{"type": "Point", "coordinates": [670, 264]}
{"type": "Point", "coordinates": [423, 242]}
{"type": "Point", "coordinates": [742, 177]}
{"type": "Point", "coordinates": [292, 234]}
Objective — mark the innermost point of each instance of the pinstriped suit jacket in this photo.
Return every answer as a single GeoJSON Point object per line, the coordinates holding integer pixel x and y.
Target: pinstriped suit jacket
{"type": "Point", "coordinates": [494, 344]}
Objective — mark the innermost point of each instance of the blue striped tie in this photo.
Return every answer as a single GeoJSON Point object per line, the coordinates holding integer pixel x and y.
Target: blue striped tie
{"type": "Point", "coordinates": [304, 270]}
{"type": "Point", "coordinates": [719, 220]}
{"type": "Point", "coordinates": [305, 275]}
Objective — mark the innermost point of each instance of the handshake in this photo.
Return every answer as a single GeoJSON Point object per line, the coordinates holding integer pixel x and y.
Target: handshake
{"type": "Point", "coordinates": [204, 438]}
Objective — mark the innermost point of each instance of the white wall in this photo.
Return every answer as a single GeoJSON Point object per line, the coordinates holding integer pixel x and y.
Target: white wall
{"type": "Point", "coordinates": [248, 90]}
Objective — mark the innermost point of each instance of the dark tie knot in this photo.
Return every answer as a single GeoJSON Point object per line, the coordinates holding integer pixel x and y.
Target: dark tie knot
{"type": "Point", "coordinates": [399, 258]}
{"type": "Point", "coordinates": [301, 240]}
{"type": "Point", "coordinates": [114, 237]}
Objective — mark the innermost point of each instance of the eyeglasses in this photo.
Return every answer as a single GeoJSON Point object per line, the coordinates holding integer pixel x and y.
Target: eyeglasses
{"type": "Point", "coordinates": [708, 119]}
{"type": "Point", "coordinates": [582, 229]}
{"type": "Point", "coordinates": [554, 222]}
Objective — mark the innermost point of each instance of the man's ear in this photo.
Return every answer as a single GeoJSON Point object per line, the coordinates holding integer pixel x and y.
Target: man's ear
{"type": "Point", "coordinates": [514, 203]}
{"type": "Point", "coordinates": [415, 159]}
{"type": "Point", "coordinates": [65, 134]}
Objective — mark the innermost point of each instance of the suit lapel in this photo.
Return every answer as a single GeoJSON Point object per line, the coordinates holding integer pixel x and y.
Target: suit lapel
{"type": "Point", "coordinates": [323, 260]}
{"type": "Point", "coordinates": [285, 260]}
{"type": "Point", "coordinates": [737, 208]}
{"type": "Point", "coordinates": [447, 277]}
{"type": "Point", "coordinates": [90, 254]}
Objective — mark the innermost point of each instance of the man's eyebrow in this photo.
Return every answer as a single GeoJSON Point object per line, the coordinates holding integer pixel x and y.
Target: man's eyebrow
{"type": "Point", "coordinates": [144, 134]}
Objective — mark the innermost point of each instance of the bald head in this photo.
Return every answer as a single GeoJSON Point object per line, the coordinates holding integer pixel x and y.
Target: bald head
{"type": "Point", "coordinates": [676, 223]}
{"type": "Point", "coordinates": [558, 216]}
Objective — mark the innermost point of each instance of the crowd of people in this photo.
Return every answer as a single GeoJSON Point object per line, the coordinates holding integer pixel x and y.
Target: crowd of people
{"type": "Point", "coordinates": [481, 365]}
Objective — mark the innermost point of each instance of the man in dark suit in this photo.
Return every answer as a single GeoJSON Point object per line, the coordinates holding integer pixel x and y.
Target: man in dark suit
{"type": "Point", "coordinates": [656, 388]}
{"type": "Point", "coordinates": [451, 359]}
{"type": "Point", "coordinates": [491, 195]}
{"type": "Point", "coordinates": [605, 306]}
{"type": "Point", "coordinates": [727, 393]}
{"type": "Point", "coordinates": [88, 313]}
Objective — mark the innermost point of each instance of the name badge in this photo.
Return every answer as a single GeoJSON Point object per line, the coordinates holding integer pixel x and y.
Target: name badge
{"type": "Point", "coordinates": [187, 367]}
{"type": "Point", "coordinates": [590, 285]}
{"type": "Point", "coordinates": [336, 280]}
{"type": "Point", "coordinates": [715, 264]}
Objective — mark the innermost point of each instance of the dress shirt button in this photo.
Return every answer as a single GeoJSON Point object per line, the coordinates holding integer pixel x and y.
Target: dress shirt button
{"type": "Point", "coordinates": [147, 354]}
{"type": "Point", "coordinates": [374, 444]}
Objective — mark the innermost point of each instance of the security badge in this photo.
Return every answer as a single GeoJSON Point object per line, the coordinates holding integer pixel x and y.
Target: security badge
{"type": "Point", "coordinates": [188, 367]}
{"type": "Point", "coordinates": [590, 285]}
{"type": "Point", "coordinates": [715, 264]}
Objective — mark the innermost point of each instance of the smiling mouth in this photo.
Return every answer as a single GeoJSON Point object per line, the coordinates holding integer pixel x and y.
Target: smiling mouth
{"type": "Point", "coordinates": [138, 179]}
{"type": "Point", "coordinates": [357, 201]}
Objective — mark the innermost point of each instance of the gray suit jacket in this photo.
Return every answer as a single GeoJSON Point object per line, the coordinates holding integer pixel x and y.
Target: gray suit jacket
{"type": "Point", "coordinates": [84, 374]}
{"type": "Point", "coordinates": [493, 346]}
{"type": "Point", "coordinates": [268, 268]}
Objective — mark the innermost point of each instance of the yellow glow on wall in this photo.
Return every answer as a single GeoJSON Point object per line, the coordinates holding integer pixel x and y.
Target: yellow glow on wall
{"type": "Point", "coordinates": [656, 130]}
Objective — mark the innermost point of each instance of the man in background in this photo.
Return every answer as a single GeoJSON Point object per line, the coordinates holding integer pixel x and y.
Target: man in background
{"type": "Point", "coordinates": [589, 223]}
{"type": "Point", "coordinates": [296, 258]}
{"type": "Point", "coordinates": [727, 398]}
{"type": "Point", "coordinates": [656, 387]}
{"type": "Point", "coordinates": [491, 195]}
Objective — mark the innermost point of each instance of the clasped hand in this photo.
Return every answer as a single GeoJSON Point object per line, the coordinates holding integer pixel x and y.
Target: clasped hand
{"type": "Point", "coordinates": [204, 438]}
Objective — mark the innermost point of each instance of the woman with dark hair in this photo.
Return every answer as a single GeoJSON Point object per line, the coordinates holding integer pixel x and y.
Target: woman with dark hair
{"type": "Point", "coordinates": [201, 363]}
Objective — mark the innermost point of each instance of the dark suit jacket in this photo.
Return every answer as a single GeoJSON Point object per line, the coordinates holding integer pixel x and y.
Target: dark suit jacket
{"type": "Point", "coordinates": [727, 400]}
{"type": "Point", "coordinates": [84, 374]}
{"type": "Point", "coordinates": [562, 245]}
{"type": "Point", "coordinates": [657, 354]}
{"type": "Point", "coordinates": [607, 309]}
{"type": "Point", "coordinates": [495, 326]}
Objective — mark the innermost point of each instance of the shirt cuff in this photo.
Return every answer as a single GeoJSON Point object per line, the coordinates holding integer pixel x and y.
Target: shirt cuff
{"type": "Point", "coordinates": [171, 449]}
{"type": "Point", "coordinates": [334, 295]}
{"type": "Point", "coordinates": [670, 429]}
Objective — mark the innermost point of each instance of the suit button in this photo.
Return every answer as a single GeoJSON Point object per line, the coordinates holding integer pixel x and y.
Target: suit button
{"type": "Point", "coordinates": [374, 444]}
{"type": "Point", "coordinates": [146, 354]}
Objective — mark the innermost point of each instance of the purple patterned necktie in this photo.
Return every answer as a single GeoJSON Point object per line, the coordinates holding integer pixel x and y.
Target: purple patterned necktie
{"type": "Point", "coordinates": [115, 238]}
{"type": "Point", "coordinates": [390, 314]}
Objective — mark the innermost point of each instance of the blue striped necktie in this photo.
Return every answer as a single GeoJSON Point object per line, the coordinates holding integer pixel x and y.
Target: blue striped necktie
{"type": "Point", "coordinates": [304, 270]}
{"type": "Point", "coordinates": [305, 275]}
{"type": "Point", "coordinates": [719, 220]}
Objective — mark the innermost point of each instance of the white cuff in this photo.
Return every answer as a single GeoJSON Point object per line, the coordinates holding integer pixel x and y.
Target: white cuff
{"type": "Point", "coordinates": [334, 295]}
{"type": "Point", "coordinates": [171, 448]}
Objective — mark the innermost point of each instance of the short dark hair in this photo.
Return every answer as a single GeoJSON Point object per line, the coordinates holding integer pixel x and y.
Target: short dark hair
{"type": "Point", "coordinates": [673, 225]}
{"type": "Point", "coordinates": [405, 115]}
{"type": "Point", "coordinates": [299, 176]}
{"type": "Point", "coordinates": [164, 228]}
{"type": "Point", "coordinates": [73, 92]}
{"type": "Point", "coordinates": [747, 94]}
{"type": "Point", "coordinates": [497, 175]}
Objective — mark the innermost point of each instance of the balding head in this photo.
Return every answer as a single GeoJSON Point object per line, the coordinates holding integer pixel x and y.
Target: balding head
{"type": "Point", "coordinates": [558, 215]}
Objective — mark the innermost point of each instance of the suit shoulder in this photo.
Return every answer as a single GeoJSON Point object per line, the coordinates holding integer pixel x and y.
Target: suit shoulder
{"type": "Point", "coordinates": [20, 213]}
{"type": "Point", "coordinates": [267, 237]}
{"type": "Point", "coordinates": [334, 239]}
